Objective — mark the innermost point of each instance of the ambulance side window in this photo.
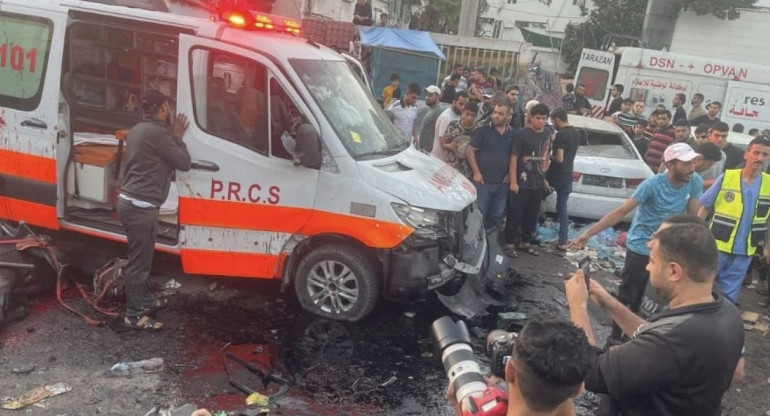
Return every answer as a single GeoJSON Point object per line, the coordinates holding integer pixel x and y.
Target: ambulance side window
{"type": "Point", "coordinates": [230, 94]}
{"type": "Point", "coordinates": [24, 46]}
{"type": "Point", "coordinates": [285, 117]}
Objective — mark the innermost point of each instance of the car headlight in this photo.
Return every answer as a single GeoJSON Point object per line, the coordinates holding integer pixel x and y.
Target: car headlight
{"type": "Point", "coordinates": [426, 222]}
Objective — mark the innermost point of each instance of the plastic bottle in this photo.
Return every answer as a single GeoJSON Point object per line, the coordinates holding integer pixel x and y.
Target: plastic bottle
{"type": "Point", "coordinates": [127, 369]}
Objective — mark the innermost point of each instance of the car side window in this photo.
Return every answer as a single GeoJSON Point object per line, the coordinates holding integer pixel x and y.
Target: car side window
{"type": "Point", "coordinates": [24, 47]}
{"type": "Point", "coordinates": [230, 94]}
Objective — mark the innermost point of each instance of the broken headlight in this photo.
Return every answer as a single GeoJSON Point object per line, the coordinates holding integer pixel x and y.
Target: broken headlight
{"type": "Point", "coordinates": [427, 223]}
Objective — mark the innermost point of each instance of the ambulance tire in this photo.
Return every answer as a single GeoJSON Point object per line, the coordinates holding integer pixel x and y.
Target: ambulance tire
{"type": "Point", "coordinates": [323, 269]}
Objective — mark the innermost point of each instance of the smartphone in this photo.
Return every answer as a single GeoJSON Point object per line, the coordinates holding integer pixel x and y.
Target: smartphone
{"type": "Point", "coordinates": [585, 265]}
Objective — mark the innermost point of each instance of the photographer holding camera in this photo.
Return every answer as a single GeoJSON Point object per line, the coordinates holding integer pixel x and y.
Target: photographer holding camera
{"type": "Point", "coordinates": [544, 369]}
{"type": "Point", "coordinates": [683, 360]}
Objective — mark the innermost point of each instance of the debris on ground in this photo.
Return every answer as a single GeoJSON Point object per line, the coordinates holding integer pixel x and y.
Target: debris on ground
{"type": "Point", "coordinates": [257, 399]}
{"type": "Point", "coordinates": [750, 317]}
{"type": "Point", "coordinates": [389, 381]}
{"type": "Point", "coordinates": [127, 369]}
{"type": "Point", "coordinates": [34, 396]}
{"type": "Point", "coordinates": [212, 286]}
{"type": "Point", "coordinates": [604, 248]}
{"type": "Point", "coordinates": [163, 410]}
{"type": "Point", "coordinates": [25, 369]}
{"type": "Point", "coordinates": [172, 284]}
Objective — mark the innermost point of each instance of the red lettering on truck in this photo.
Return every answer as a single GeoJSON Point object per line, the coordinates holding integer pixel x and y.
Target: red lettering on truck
{"type": "Point", "coordinates": [730, 72]}
{"type": "Point", "coordinates": [15, 57]}
{"type": "Point", "coordinates": [254, 193]}
{"type": "Point", "coordinates": [664, 63]}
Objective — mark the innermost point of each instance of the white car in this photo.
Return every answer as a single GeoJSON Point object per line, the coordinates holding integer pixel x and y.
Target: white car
{"type": "Point", "coordinates": [607, 170]}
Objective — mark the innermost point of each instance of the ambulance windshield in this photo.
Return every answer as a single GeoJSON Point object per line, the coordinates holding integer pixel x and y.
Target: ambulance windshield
{"type": "Point", "coordinates": [356, 117]}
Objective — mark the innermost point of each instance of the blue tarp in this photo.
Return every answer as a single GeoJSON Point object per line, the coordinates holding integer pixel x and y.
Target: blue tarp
{"type": "Point", "coordinates": [407, 40]}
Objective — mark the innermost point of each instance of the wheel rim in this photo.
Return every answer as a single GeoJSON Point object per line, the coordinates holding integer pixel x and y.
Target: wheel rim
{"type": "Point", "coordinates": [332, 287]}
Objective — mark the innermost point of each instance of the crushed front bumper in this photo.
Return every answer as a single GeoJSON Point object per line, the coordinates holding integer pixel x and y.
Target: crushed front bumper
{"type": "Point", "coordinates": [420, 265]}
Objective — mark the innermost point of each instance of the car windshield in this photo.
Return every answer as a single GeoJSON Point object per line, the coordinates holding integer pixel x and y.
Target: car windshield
{"type": "Point", "coordinates": [354, 114]}
{"type": "Point", "coordinates": [604, 144]}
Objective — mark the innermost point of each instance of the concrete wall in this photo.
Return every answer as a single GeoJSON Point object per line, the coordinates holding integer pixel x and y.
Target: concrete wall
{"type": "Point", "coordinates": [555, 17]}
{"type": "Point", "coordinates": [743, 39]}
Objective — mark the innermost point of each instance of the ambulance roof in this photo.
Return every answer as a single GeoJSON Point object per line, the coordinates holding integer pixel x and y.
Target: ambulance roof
{"type": "Point", "coordinates": [276, 44]}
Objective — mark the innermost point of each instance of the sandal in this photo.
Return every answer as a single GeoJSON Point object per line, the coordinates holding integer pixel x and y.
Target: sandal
{"type": "Point", "coordinates": [529, 249]}
{"type": "Point", "coordinates": [560, 247]}
{"type": "Point", "coordinates": [510, 251]}
{"type": "Point", "coordinates": [142, 323]}
{"type": "Point", "coordinates": [157, 306]}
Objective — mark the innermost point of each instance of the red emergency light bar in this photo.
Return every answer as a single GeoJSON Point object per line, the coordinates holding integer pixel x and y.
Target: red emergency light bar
{"type": "Point", "coordinates": [251, 20]}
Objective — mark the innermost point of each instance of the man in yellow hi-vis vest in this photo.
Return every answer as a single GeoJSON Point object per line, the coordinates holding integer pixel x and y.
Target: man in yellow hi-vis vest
{"type": "Point", "coordinates": [740, 203]}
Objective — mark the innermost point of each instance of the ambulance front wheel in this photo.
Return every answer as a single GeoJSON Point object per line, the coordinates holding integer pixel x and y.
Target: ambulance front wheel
{"type": "Point", "coordinates": [337, 282]}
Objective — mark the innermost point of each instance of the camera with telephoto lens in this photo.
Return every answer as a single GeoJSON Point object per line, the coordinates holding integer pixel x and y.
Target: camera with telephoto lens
{"type": "Point", "coordinates": [499, 349]}
{"type": "Point", "coordinates": [475, 396]}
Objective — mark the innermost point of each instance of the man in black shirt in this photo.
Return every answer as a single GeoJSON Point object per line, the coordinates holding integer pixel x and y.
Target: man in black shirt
{"type": "Point", "coordinates": [734, 156]}
{"type": "Point", "coordinates": [711, 117]}
{"type": "Point", "coordinates": [362, 13]}
{"type": "Point", "coordinates": [450, 89]}
{"type": "Point", "coordinates": [512, 92]}
{"type": "Point", "coordinates": [616, 93]}
{"type": "Point", "coordinates": [560, 174]}
{"type": "Point", "coordinates": [683, 360]}
{"type": "Point", "coordinates": [582, 107]}
{"type": "Point", "coordinates": [487, 156]}
{"type": "Point", "coordinates": [529, 161]}
{"type": "Point", "coordinates": [678, 103]}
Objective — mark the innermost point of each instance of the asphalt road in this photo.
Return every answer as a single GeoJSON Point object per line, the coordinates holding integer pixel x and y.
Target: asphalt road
{"type": "Point", "coordinates": [384, 365]}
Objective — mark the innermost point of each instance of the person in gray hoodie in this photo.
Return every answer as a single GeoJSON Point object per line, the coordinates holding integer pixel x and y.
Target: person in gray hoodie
{"type": "Point", "coordinates": [154, 151]}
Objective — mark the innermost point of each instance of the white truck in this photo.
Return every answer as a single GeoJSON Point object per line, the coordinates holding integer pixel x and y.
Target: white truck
{"type": "Point", "coordinates": [656, 77]}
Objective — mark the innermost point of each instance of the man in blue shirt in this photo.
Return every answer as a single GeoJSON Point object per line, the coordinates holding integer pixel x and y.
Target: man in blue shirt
{"type": "Point", "coordinates": [675, 191]}
{"type": "Point", "coordinates": [740, 203]}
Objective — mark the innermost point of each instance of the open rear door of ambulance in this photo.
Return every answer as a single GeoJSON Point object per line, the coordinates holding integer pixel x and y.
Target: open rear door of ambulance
{"type": "Point", "coordinates": [595, 71]}
{"type": "Point", "coordinates": [30, 67]}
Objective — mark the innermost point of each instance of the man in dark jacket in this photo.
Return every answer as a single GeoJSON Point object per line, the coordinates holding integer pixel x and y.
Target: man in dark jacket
{"type": "Point", "coordinates": [154, 151]}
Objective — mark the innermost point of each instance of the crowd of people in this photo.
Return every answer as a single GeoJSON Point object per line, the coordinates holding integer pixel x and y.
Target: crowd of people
{"type": "Point", "coordinates": [515, 158]}
{"type": "Point", "coordinates": [699, 221]}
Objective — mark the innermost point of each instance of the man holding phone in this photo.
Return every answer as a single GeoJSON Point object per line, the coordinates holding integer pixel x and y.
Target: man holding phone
{"type": "Point", "coordinates": [684, 358]}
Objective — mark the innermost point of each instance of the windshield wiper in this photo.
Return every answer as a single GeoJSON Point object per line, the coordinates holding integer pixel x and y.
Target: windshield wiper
{"type": "Point", "coordinates": [385, 152]}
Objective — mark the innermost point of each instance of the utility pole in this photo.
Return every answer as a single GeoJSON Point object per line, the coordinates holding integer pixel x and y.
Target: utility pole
{"type": "Point", "coordinates": [659, 24]}
{"type": "Point", "coordinates": [468, 13]}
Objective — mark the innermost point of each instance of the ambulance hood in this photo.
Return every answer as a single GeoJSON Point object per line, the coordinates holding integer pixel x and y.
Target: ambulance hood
{"type": "Point", "coordinates": [420, 180]}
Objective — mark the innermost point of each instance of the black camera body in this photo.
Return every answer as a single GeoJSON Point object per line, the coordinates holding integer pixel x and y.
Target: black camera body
{"type": "Point", "coordinates": [499, 349]}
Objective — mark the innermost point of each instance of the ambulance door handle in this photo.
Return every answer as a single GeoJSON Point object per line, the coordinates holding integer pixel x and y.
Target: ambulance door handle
{"type": "Point", "coordinates": [34, 123]}
{"type": "Point", "coordinates": [205, 165]}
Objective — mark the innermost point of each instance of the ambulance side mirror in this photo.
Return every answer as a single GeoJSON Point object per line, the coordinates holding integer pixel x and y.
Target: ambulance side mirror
{"type": "Point", "coordinates": [308, 146]}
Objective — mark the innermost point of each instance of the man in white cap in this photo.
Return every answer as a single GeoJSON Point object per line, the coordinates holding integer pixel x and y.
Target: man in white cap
{"type": "Point", "coordinates": [675, 191]}
{"type": "Point", "coordinates": [425, 124]}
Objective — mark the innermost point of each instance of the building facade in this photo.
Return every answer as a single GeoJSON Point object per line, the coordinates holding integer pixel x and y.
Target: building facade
{"type": "Point", "coordinates": [504, 18]}
{"type": "Point", "coordinates": [741, 40]}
